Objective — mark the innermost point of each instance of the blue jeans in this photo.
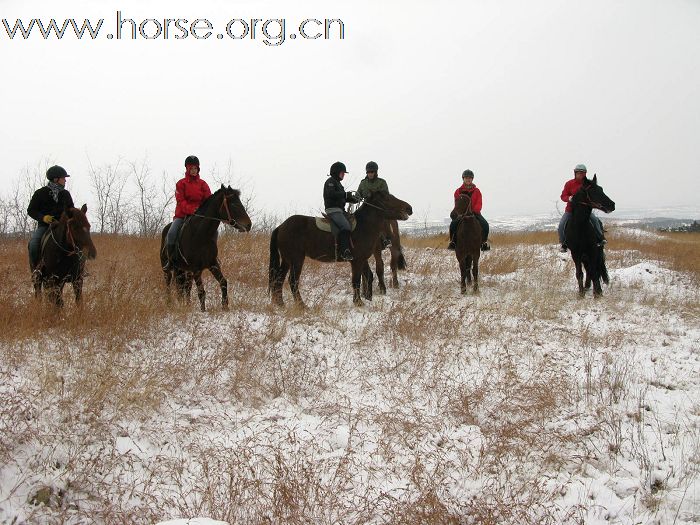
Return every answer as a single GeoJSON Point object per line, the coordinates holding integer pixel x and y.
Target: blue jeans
{"type": "Point", "coordinates": [338, 220]}
{"type": "Point", "coordinates": [35, 244]}
{"type": "Point", "coordinates": [172, 232]}
{"type": "Point", "coordinates": [595, 222]}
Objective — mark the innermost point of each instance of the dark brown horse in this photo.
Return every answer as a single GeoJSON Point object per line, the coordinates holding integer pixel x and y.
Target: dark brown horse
{"type": "Point", "coordinates": [197, 249]}
{"type": "Point", "coordinates": [65, 247]}
{"type": "Point", "coordinates": [585, 248]}
{"type": "Point", "coordinates": [467, 242]}
{"type": "Point", "coordinates": [298, 237]}
{"type": "Point", "coordinates": [397, 262]}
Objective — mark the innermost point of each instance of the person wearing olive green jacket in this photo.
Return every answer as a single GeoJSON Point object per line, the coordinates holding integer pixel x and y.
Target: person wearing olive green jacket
{"type": "Point", "coordinates": [370, 184]}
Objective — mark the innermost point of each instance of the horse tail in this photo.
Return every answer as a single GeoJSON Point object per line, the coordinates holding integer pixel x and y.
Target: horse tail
{"type": "Point", "coordinates": [396, 241]}
{"type": "Point", "coordinates": [274, 260]}
{"type": "Point", "coordinates": [603, 269]}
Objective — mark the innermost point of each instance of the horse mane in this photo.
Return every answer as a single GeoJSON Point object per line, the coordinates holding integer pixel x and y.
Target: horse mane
{"type": "Point", "coordinates": [205, 202]}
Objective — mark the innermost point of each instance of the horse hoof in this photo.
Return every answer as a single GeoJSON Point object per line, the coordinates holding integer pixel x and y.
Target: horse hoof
{"type": "Point", "coordinates": [382, 291]}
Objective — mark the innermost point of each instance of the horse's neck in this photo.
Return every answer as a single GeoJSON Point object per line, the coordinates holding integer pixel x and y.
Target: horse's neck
{"type": "Point", "coordinates": [205, 222]}
{"type": "Point", "coordinates": [581, 214]}
{"type": "Point", "coordinates": [369, 219]}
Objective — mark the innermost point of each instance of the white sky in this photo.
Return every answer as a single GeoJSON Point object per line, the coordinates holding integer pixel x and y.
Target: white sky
{"type": "Point", "coordinates": [519, 92]}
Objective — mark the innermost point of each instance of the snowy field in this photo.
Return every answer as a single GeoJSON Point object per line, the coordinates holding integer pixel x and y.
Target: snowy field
{"type": "Point", "coordinates": [521, 405]}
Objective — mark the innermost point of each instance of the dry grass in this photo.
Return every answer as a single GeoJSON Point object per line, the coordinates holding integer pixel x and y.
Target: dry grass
{"type": "Point", "coordinates": [454, 409]}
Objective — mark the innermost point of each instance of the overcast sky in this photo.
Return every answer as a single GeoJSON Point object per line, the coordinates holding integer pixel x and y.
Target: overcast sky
{"type": "Point", "coordinates": [519, 92]}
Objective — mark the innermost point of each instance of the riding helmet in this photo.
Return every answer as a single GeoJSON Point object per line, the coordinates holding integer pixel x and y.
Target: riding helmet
{"type": "Point", "coordinates": [468, 173]}
{"type": "Point", "coordinates": [372, 166]}
{"type": "Point", "coordinates": [192, 160]}
{"type": "Point", "coordinates": [56, 172]}
{"type": "Point", "coordinates": [337, 168]}
{"type": "Point", "coordinates": [580, 167]}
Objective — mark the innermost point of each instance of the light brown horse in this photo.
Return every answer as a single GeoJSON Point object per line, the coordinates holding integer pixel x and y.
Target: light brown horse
{"type": "Point", "coordinates": [197, 244]}
{"type": "Point", "coordinates": [467, 242]}
{"type": "Point", "coordinates": [65, 247]}
{"type": "Point", "coordinates": [298, 237]}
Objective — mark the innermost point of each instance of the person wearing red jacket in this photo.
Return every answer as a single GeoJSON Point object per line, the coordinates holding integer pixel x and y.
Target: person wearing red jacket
{"type": "Point", "coordinates": [190, 192]}
{"type": "Point", "coordinates": [474, 193]}
{"type": "Point", "coordinates": [570, 189]}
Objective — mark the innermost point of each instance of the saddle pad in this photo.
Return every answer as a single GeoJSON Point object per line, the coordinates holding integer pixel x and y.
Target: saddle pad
{"type": "Point", "coordinates": [324, 224]}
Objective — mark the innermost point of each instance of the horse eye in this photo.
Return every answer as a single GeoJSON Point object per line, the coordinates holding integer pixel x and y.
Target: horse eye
{"type": "Point", "coordinates": [86, 229]}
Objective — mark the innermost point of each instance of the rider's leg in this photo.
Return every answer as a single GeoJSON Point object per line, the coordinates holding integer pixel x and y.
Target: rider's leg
{"type": "Point", "coordinates": [562, 228]}
{"type": "Point", "coordinates": [35, 245]}
{"type": "Point", "coordinates": [170, 242]}
{"type": "Point", "coordinates": [484, 232]}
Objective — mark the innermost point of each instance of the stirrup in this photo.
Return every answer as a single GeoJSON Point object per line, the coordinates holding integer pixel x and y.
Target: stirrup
{"type": "Point", "coordinates": [346, 255]}
{"type": "Point", "coordinates": [485, 246]}
{"type": "Point", "coordinates": [451, 246]}
{"type": "Point", "coordinates": [563, 248]}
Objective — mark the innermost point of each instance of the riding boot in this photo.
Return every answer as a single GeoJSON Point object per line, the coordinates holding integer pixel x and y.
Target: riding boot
{"type": "Point", "coordinates": [172, 252]}
{"type": "Point", "coordinates": [453, 232]}
{"type": "Point", "coordinates": [344, 243]}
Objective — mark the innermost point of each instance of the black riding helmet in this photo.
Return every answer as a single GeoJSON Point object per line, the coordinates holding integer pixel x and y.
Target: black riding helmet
{"type": "Point", "coordinates": [192, 161]}
{"type": "Point", "coordinates": [56, 172]}
{"type": "Point", "coordinates": [336, 168]}
{"type": "Point", "coordinates": [372, 166]}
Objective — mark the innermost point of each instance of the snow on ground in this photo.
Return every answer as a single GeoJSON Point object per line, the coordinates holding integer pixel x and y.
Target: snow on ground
{"type": "Point", "coordinates": [523, 404]}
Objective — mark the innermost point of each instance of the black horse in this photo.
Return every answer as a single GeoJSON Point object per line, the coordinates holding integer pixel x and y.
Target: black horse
{"type": "Point", "coordinates": [64, 249]}
{"type": "Point", "coordinates": [196, 246]}
{"type": "Point", "coordinates": [585, 247]}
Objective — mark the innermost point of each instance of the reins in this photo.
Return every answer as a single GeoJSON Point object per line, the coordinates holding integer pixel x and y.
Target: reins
{"type": "Point", "coordinates": [69, 235]}
{"type": "Point", "coordinates": [224, 205]}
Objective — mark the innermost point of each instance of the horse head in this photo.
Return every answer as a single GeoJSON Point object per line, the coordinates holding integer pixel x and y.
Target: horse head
{"type": "Point", "coordinates": [591, 194]}
{"type": "Point", "coordinates": [225, 205]}
{"type": "Point", "coordinates": [390, 206]}
{"type": "Point", "coordinates": [77, 229]}
{"type": "Point", "coordinates": [463, 206]}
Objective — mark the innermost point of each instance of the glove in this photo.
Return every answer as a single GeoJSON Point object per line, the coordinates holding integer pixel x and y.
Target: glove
{"type": "Point", "coordinates": [48, 219]}
{"type": "Point", "coordinates": [570, 197]}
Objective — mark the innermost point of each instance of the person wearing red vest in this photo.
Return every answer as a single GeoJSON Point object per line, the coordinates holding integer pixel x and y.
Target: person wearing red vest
{"type": "Point", "coordinates": [474, 193]}
{"type": "Point", "coordinates": [190, 192]}
{"type": "Point", "coordinates": [570, 189]}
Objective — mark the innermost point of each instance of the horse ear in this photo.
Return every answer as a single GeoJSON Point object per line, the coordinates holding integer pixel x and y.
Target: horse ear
{"type": "Point", "coordinates": [83, 208]}
{"type": "Point", "coordinates": [229, 187]}
{"type": "Point", "coordinates": [222, 186]}
{"type": "Point", "coordinates": [595, 178]}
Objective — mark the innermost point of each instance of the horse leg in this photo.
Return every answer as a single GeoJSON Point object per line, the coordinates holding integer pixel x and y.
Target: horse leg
{"type": "Point", "coordinates": [78, 290]}
{"type": "Point", "coordinates": [223, 283]}
{"type": "Point", "coordinates": [463, 273]}
{"type": "Point", "coordinates": [294, 274]}
{"type": "Point", "coordinates": [579, 277]}
{"type": "Point", "coordinates": [394, 265]}
{"type": "Point", "coordinates": [357, 268]}
{"type": "Point", "coordinates": [475, 272]}
{"type": "Point", "coordinates": [201, 292]}
{"type": "Point", "coordinates": [379, 267]}
{"type": "Point", "coordinates": [367, 279]}
{"type": "Point", "coordinates": [276, 290]}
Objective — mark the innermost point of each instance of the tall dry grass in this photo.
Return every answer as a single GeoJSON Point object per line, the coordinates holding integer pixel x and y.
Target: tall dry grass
{"type": "Point", "coordinates": [463, 409]}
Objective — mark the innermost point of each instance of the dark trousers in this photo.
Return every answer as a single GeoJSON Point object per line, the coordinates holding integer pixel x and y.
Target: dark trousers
{"type": "Point", "coordinates": [482, 222]}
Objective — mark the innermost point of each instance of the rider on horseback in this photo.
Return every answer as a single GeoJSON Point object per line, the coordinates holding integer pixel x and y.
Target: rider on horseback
{"type": "Point", "coordinates": [570, 189]}
{"type": "Point", "coordinates": [468, 188]}
{"type": "Point", "coordinates": [370, 184]}
{"type": "Point", "coordinates": [190, 192]}
{"type": "Point", "coordinates": [334, 199]}
{"type": "Point", "coordinates": [46, 206]}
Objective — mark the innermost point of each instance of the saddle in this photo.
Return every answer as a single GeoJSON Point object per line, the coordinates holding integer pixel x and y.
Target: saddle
{"type": "Point", "coordinates": [324, 223]}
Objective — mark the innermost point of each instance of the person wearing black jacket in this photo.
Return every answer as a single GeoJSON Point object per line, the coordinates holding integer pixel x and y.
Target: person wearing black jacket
{"type": "Point", "coordinates": [334, 199]}
{"type": "Point", "coordinates": [46, 206]}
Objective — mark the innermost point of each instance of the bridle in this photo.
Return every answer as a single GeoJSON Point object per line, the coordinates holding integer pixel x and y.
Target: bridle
{"type": "Point", "coordinates": [588, 201]}
{"type": "Point", "coordinates": [468, 212]}
{"type": "Point", "coordinates": [224, 206]}
{"type": "Point", "coordinates": [75, 249]}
